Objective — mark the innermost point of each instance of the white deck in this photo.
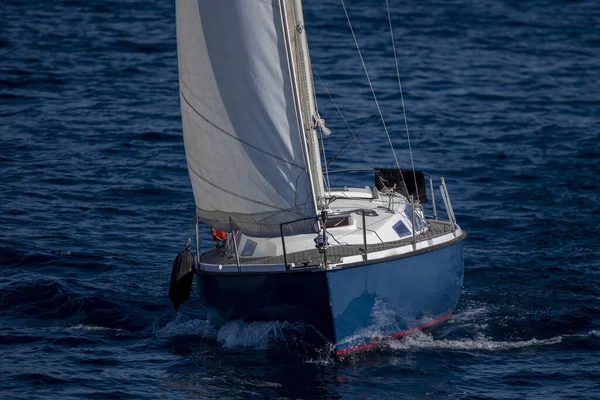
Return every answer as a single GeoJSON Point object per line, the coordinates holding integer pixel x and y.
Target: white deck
{"type": "Point", "coordinates": [388, 233]}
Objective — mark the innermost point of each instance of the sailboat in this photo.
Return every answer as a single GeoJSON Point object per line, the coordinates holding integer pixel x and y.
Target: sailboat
{"type": "Point", "coordinates": [359, 265]}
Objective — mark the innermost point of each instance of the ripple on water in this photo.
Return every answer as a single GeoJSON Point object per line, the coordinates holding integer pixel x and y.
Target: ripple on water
{"type": "Point", "coordinates": [96, 201]}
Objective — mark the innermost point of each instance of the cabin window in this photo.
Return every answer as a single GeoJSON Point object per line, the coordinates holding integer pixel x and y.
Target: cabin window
{"type": "Point", "coordinates": [368, 213]}
{"type": "Point", "coordinates": [249, 248]}
{"type": "Point", "coordinates": [336, 222]}
{"type": "Point", "coordinates": [401, 229]}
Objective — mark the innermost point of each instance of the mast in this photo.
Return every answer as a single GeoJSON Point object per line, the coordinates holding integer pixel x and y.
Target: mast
{"type": "Point", "coordinates": [304, 77]}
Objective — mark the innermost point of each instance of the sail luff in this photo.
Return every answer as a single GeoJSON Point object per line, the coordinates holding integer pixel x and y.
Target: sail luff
{"type": "Point", "coordinates": [289, 24]}
{"type": "Point", "coordinates": [307, 97]}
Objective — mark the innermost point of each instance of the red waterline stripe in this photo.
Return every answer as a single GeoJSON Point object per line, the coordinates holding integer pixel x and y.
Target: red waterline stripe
{"type": "Point", "coordinates": [395, 336]}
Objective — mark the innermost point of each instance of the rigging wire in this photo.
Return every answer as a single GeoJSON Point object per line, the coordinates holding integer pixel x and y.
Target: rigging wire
{"type": "Point", "coordinates": [321, 132]}
{"type": "Point", "coordinates": [412, 163]}
{"type": "Point", "coordinates": [344, 119]}
{"type": "Point", "coordinates": [355, 137]}
{"type": "Point", "coordinates": [325, 161]}
{"type": "Point", "coordinates": [190, 232]}
{"type": "Point", "coordinates": [374, 95]}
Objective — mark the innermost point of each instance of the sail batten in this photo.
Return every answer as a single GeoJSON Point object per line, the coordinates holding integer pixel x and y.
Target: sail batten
{"type": "Point", "coordinates": [243, 138]}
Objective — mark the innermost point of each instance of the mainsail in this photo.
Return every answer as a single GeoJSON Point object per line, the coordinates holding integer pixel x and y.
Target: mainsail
{"type": "Point", "coordinates": [242, 123]}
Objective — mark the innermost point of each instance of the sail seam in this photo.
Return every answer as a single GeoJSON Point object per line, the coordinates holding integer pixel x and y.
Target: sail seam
{"type": "Point", "coordinates": [287, 210]}
{"type": "Point", "coordinates": [236, 138]}
{"type": "Point", "coordinates": [232, 193]}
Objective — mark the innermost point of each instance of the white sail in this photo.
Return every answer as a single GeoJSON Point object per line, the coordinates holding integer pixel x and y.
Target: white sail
{"type": "Point", "coordinates": [246, 155]}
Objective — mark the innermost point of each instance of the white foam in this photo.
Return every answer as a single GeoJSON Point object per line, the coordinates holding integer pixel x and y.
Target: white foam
{"type": "Point", "coordinates": [468, 315]}
{"type": "Point", "coordinates": [257, 335]}
{"type": "Point", "coordinates": [325, 356]}
{"type": "Point", "coordinates": [384, 319]}
{"type": "Point", "coordinates": [193, 327]}
{"type": "Point", "coordinates": [420, 341]}
{"type": "Point", "coordinates": [260, 336]}
{"type": "Point", "coordinates": [83, 327]}
{"type": "Point", "coordinates": [383, 315]}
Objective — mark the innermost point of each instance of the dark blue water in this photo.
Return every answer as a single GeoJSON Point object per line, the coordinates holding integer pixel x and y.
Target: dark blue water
{"type": "Point", "coordinates": [503, 100]}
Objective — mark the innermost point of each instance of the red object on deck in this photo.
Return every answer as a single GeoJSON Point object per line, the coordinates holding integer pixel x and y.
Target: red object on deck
{"type": "Point", "coordinates": [218, 235]}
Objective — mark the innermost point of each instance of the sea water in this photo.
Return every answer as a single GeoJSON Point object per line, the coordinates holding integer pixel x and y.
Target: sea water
{"type": "Point", "coordinates": [502, 99]}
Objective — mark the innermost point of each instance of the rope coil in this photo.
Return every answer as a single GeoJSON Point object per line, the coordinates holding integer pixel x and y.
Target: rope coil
{"type": "Point", "coordinates": [320, 123]}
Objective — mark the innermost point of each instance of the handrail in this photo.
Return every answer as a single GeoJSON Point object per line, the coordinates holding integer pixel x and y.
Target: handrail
{"type": "Point", "coordinates": [432, 197]}
{"type": "Point", "coordinates": [197, 242]}
{"type": "Point", "coordinates": [283, 237]}
{"type": "Point", "coordinates": [448, 204]}
{"type": "Point", "coordinates": [412, 221]}
{"type": "Point", "coordinates": [237, 257]}
{"type": "Point", "coordinates": [364, 222]}
{"type": "Point", "coordinates": [323, 217]}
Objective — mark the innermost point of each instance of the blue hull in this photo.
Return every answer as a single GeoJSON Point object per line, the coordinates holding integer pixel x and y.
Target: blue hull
{"type": "Point", "coordinates": [354, 307]}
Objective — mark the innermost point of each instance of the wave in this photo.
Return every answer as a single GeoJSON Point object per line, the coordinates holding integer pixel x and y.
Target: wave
{"type": "Point", "coordinates": [194, 327]}
{"type": "Point", "coordinates": [256, 335]}
{"type": "Point", "coordinates": [75, 302]}
{"type": "Point", "coordinates": [423, 341]}
{"type": "Point", "coordinates": [296, 337]}
{"type": "Point", "coordinates": [95, 328]}
{"type": "Point", "coordinates": [41, 379]}
{"type": "Point", "coordinates": [236, 334]}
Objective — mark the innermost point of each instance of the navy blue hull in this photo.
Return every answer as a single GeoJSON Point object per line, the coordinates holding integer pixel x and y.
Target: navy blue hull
{"type": "Point", "coordinates": [353, 307]}
{"type": "Point", "coordinates": [394, 297]}
{"type": "Point", "coordinates": [292, 297]}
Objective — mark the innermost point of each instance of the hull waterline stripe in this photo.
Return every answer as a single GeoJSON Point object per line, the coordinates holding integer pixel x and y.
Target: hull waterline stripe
{"type": "Point", "coordinates": [394, 336]}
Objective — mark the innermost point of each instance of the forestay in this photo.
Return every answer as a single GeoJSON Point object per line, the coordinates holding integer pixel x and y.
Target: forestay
{"type": "Point", "coordinates": [245, 152]}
